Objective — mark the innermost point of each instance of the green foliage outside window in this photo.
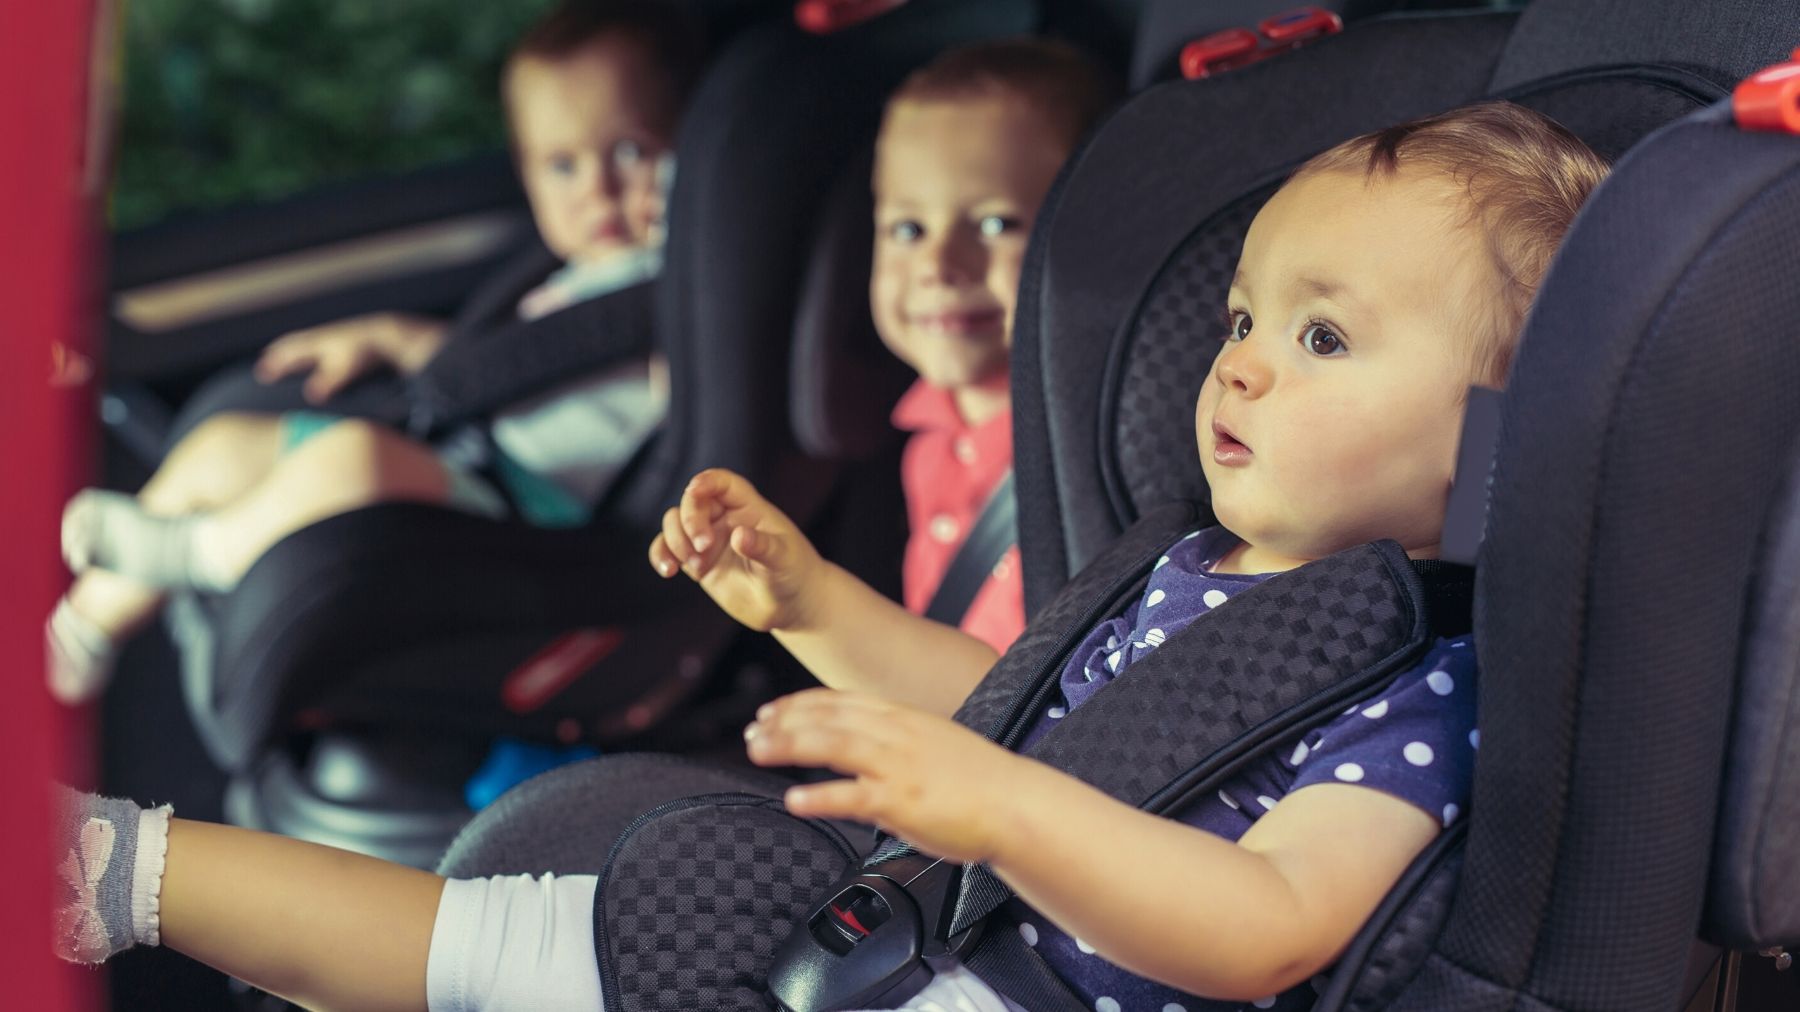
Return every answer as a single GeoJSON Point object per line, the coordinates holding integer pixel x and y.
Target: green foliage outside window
{"type": "Point", "coordinates": [230, 101]}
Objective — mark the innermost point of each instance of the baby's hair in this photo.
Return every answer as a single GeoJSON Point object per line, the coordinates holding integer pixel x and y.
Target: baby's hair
{"type": "Point", "coordinates": [666, 32]}
{"type": "Point", "coordinates": [1055, 79]}
{"type": "Point", "coordinates": [1525, 177]}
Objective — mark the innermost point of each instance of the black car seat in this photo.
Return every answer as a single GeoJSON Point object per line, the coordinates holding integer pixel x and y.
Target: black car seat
{"type": "Point", "coordinates": [1592, 844]}
{"type": "Point", "coordinates": [1636, 783]}
{"type": "Point", "coordinates": [355, 676]}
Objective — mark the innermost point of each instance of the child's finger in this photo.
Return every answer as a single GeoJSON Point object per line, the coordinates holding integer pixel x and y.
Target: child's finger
{"type": "Point", "coordinates": [661, 559]}
{"type": "Point", "coordinates": [849, 798]}
{"type": "Point", "coordinates": [676, 540]}
{"type": "Point", "coordinates": [759, 547]}
{"type": "Point", "coordinates": [700, 510]}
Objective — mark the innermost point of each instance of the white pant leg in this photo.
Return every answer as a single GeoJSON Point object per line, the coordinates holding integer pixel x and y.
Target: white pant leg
{"type": "Point", "coordinates": [512, 944]}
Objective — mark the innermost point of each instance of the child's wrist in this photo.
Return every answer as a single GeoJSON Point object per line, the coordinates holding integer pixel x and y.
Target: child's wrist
{"type": "Point", "coordinates": [809, 609]}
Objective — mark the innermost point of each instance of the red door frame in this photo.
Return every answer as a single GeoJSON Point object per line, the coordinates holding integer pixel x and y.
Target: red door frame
{"type": "Point", "coordinates": [49, 304]}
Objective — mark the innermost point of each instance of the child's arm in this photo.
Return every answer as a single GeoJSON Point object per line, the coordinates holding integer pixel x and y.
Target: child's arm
{"type": "Point", "coordinates": [338, 352]}
{"type": "Point", "coordinates": [764, 572]}
{"type": "Point", "coordinates": [1168, 901]}
{"type": "Point", "coordinates": [323, 927]}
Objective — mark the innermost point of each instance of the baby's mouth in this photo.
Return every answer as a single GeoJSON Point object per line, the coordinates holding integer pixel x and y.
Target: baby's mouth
{"type": "Point", "coordinates": [1227, 448]}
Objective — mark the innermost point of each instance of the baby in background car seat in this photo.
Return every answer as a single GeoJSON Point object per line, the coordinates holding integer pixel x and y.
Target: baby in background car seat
{"type": "Point", "coordinates": [1385, 277]}
{"type": "Point", "coordinates": [593, 93]}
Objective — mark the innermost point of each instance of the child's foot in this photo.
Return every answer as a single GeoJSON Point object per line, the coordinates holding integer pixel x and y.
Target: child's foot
{"type": "Point", "coordinates": [80, 655]}
{"type": "Point", "coordinates": [111, 531]}
{"type": "Point", "coordinates": [109, 867]}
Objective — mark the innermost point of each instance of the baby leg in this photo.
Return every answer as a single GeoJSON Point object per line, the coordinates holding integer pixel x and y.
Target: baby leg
{"type": "Point", "coordinates": [213, 465]}
{"type": "Point", "coordinates": [322, 926]}
{"type": "Point", "coordinates": [349, 465]}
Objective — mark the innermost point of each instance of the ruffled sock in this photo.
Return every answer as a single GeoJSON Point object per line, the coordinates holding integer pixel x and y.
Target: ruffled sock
{"type": "Point", "coordinates": [109, 870]}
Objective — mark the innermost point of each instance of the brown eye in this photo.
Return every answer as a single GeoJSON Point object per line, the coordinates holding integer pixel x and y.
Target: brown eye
{"type": "Point", "coordinates": [1318, 339]}
{"type": "Point", "coordinates": [1240, 326]}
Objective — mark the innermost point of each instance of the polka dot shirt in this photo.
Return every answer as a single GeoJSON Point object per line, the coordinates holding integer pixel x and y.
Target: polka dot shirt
{"type": "Point", "coordinates": [1416, 740]}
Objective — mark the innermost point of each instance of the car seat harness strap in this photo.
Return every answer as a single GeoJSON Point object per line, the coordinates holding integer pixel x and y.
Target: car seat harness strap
{"type": "Point", "coordinates": [1279, 657]}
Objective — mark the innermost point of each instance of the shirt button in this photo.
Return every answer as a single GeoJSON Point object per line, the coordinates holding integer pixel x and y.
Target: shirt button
{"type": "Point", "coordinates": [1002, 569]}
{"type": "Point", "coordinates": [965, 449]}
{"type": "Point", "coordinates": [944, 528]}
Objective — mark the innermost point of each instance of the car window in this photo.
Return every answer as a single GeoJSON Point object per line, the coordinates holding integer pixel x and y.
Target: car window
{"type": "Point", "coordinates": [232, 101]}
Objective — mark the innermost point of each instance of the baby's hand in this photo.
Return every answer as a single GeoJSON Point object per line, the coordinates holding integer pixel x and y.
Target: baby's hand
{"type": "Point", "coordinates": [929, 780]}
{"type": "Point", "coordinates": [339, 352]}
{"type": "Point", "coordinates": [742, 551]}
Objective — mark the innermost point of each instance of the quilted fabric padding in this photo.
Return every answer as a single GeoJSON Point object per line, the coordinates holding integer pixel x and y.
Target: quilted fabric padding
{"type": "Point", "coordinates": [698, 894]}
{"type": "Point", "coordinates": [1176, 333]}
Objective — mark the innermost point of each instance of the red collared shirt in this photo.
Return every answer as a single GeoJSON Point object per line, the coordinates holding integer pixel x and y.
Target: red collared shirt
{"type": "Point", "coordinates": [948, 471]}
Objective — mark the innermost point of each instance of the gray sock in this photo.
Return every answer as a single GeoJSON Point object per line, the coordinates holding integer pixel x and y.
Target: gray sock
{"type": "Point", "coordinates": [108, 874]}
{"type": "Point", "coordinates": [80, 655]}
{"type": "Point", "coordinates": [112, 531]}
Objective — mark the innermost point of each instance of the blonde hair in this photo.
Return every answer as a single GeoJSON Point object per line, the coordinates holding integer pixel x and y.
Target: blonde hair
{"type": "Point", "coordinates": [1524, 176]}
{"type": "Point", "coordinates": [1056, 80]}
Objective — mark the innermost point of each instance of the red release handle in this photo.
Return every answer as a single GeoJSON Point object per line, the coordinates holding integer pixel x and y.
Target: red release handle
{"type": "Point", "coordinates": [822, 17]}
{"type": "Point", "coordinates": [1235, 47]}
{"type": "Point", "coordinates": [1770, 98]}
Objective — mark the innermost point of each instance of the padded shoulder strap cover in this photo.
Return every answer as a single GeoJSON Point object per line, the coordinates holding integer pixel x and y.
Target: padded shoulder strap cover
{"type": "Point", "coordinates": [1276, 657]}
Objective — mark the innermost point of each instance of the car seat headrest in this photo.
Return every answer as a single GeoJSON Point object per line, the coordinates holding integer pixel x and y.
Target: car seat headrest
{"type": "Point", "coordinates": [1754, 895]}
{"type": "Point", "coordinates": [1558, 36]}
{"type": "Point", "coordinates": [843, 381]}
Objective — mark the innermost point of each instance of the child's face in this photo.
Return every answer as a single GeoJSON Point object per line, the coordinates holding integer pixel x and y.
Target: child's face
{"type": "Point", "coordinates": [587, 136]}
{"type": "Point", "coordinates": [957, 185]}
{"type": "Point", "coordinates": [1331, 417]}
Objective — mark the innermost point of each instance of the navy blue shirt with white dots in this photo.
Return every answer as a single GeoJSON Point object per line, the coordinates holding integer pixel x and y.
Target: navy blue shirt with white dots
{"type": "Point", "coordinates": [1415, 741]}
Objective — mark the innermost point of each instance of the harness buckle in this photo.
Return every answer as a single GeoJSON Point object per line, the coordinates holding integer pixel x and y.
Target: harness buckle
{"type": "Point", "coordinates": [874, 941]}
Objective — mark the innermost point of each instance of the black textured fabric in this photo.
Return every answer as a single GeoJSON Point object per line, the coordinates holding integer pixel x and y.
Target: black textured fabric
{"type": "Point", "coordinates": [1400, 934]}
{"type": "Point", "coordinates": [1176, 332]}
{"type": "Point", "coordinates": [567, 819]}
{"type": "Point", "coordinates": [1734, 37]}
{"type": "Point", "coordinates": [1608, 654]}
{"type": "Point", "coordinates": [1093, 595]}
{"type": "Point", "coordinates": [696, 896]}
{"type": "Point", "coordinates": [1754, 899]}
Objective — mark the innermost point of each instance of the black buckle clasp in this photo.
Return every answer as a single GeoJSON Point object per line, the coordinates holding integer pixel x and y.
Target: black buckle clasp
{"type": "Point", "coordinates": [874, 940]}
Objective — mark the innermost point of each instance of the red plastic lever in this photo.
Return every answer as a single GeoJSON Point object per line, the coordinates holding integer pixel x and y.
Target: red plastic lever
{"type": "Point", "coordinates": [1299, 25]}
{"type": "Point", "coordinates": [1235, 47]}
{"type": "Point", "coordinates": [1770, 98]}
{"type": "Point", "coordinates": [1219, 51]}
{"type": "Point", "coordinates": [822, 17]}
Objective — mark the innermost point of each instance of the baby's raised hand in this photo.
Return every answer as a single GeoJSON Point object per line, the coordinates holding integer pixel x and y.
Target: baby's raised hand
{"type": "Point", "coordinates": [742, 551]}
{"type": "Point", "coordinates": [924, 778]}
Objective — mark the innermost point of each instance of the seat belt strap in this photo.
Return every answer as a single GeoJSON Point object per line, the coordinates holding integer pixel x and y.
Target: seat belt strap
{"type": "Point", "coordinates": [994, 533]}
{"type": "Point", "coordinates": [1005, 963]}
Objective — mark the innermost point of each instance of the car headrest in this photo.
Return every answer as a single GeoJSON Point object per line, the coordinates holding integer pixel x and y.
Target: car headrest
{"type": "Point", "coordinates": [1165, 26]}
{"type": "Point", "coordinates": [1729, 39]}
{"type": "Point", "coordinates": [843, 381]}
